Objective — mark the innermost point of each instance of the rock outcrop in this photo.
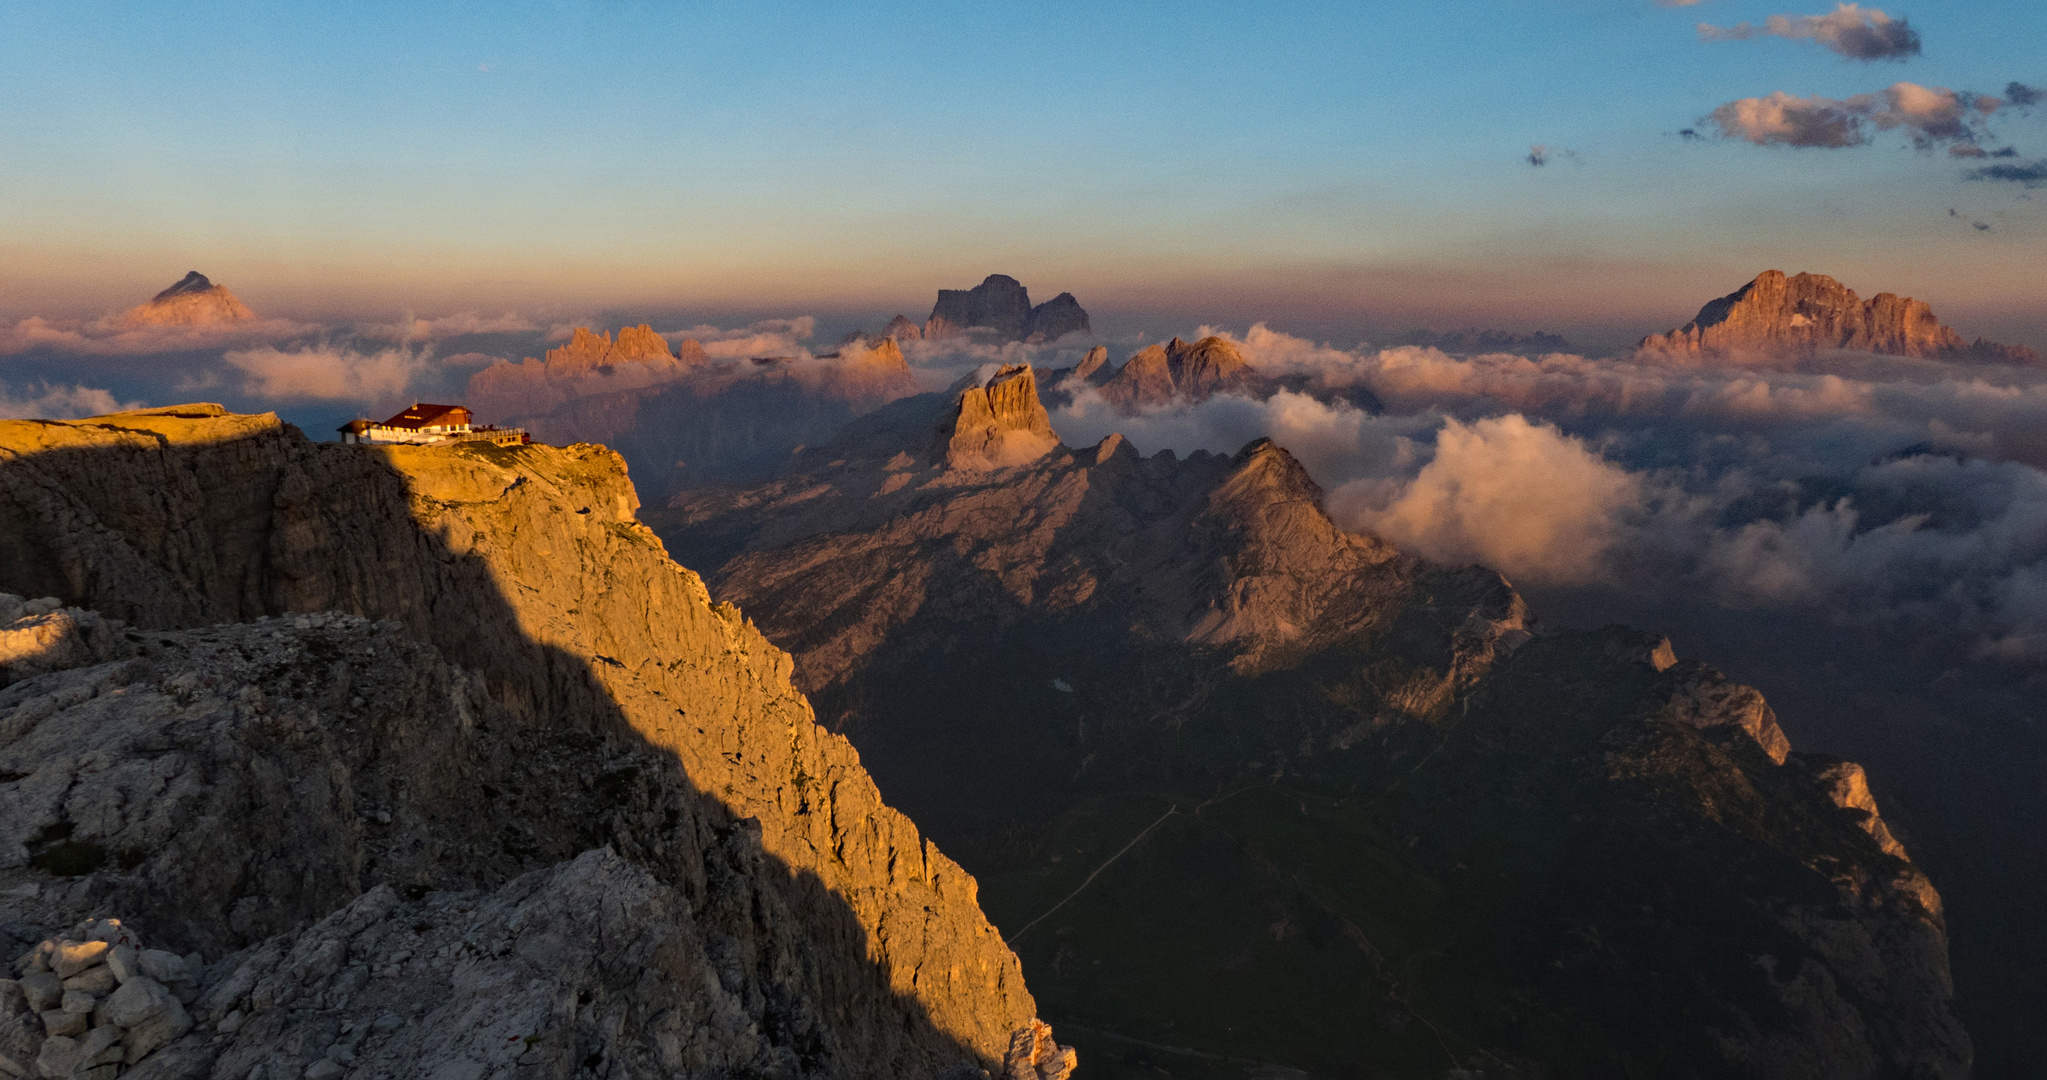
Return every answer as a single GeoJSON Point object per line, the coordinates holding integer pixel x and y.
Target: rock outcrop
{"type": "Point", "coordinates": [193, 301]}
{"type": "Point", "coordinates": [1001, 304]}
{"type": "Point", "coordinates": [1779, 317]}
{"type": "Point", "coordinates": [902, 329]}
{"type": "Point", "coordinates": [997, 423]}
{"type": "Point", "coordinates": [1269, 791]}
{"type": "Point", "coordinates": [435, 757]}
{"type": "Point", "coordinates": [1180, 371]}
{"type": "Point", "coordinates": [587, 364]}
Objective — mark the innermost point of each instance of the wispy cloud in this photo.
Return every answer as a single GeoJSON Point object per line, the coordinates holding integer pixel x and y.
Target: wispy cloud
{"type": "Point", "coordinates": [1854, 32]}
{"type": "Point", "coordinates": [1929, 116]}
{"type": "Point", "coordinates": [330, 373]}
{"type": "Point", "coordinates": [113, 336]}
{"type": "Point", "coordinates": [417, 328]}
{"type": "Point", "coordinates": [43, 401]}
{"type": "Point", "coordinates": [1540, 155]}
{"type": "Point", "coordinates": [2031, 174]}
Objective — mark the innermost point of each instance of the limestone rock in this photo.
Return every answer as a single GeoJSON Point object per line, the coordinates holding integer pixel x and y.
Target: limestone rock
{"type": "Point", "coordinates": [1056, 318]}
{"type": "Point", "coordinates": [1179, 371]}
{"type": "Point", "coordinates": [364, 679]}
{"type": "Point", "coordinates": [1781, 317]}
{"type": "Point", "coordinates": [1001, 304]}
{"type": "Point", "coordinates": [999, 423]}
{"type": "Point", "coordinates": [1380, 762]}
{"type": "Point", "coordinates": [902, 329]}
{"type": "Point", "coordinates": [1033, 1055]}
{"type": "Point", "coordinates": [192, 301]}
{"type": "Point", "coordinates": [37, 636]}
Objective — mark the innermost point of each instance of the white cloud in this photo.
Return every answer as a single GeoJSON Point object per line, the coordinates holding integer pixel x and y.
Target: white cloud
{"type": "Point", "coordinates": [43, 401]}
{"type": "Point", "coordinates": [1756, 487]}
{"type": "Point", "coordinates": [329, 373]}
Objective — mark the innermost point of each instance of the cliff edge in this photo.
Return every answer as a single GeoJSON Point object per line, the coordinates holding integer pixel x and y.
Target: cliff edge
{"type": "Point", "coordinates": [360, 690]}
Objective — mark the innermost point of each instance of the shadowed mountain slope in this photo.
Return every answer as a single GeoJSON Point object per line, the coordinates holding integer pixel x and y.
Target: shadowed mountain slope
{"type": "Point", "coordinates": [1253, 789]}
{"type": "Point", "coordinates": [454, 701]}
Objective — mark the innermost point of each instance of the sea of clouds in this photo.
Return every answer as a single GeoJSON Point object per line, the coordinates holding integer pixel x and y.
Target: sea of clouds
{"type": "Point", "coordinates": [1883, 490]}
{"type": "Point", "coordinates": [1880, 489]}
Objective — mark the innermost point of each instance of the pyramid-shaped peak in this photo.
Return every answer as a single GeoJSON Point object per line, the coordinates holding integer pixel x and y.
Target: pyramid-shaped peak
{"type": "Point", "coordinates": [192, 282]}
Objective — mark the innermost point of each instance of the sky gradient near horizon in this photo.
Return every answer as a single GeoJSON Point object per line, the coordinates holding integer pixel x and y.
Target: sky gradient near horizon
{"type": "Point", "coordinates": [1314, 163]}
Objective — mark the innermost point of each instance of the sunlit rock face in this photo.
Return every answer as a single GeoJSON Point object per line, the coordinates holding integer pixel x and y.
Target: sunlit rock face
{"type": "Point", "coordinates": [1779, 317]}
{"type": "Point", "coordinates": [433, 755]}
{"type": "Point", "coordinates": [1001, 304]}
{"type": "Point", "coordinates": [1260, 778]}
{"type": "Point", "coordinates": [998, 423]}
{"type": "Point", "coordinates": [1178, 371]}
{"type": "Point", "coordinates": [193, 301]}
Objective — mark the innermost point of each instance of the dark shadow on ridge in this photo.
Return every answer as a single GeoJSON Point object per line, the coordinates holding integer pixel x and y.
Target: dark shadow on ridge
{"type": "Point", "coordinates": [265, 542]}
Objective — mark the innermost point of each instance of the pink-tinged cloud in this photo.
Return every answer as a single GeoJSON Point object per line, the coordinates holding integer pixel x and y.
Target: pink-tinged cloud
{"type": "Point", "coordinates": [327, 373]}
{"type": "Point", "coordinates": [1854, 32]}
{"type": "Point", "coordinates": [114, 336]}
{"type": "Point", "coordinates": [1930, 116]}
{"type": "Point", "coordinates": [416, 328]}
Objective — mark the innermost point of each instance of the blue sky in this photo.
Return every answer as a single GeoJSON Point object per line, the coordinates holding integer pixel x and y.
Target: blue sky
{"type": "Point", "coordinates": [1310, 162]}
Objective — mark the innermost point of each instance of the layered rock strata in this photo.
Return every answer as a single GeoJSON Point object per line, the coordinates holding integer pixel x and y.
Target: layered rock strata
{"type": "Point", "coordinates": [1775, 316]}
{"type": "Point", "coordinates": [501, 741]}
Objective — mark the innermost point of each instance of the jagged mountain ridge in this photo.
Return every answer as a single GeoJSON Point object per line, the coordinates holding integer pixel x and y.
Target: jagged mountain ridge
{"type": "Point", "coordinates": [999, 303]}
{"type": "Point", "coordinates": [1381, 820]}
{"type": "Point", "coordinates": [537, 639]}
{"type": "Point", "coordinates": [1793, 317]}
{"type": "Point", "coordinates": [191, 301]}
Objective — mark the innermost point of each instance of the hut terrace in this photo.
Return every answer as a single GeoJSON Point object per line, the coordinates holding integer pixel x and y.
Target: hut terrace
{"type": "Point", "coordinates": [428, 424]}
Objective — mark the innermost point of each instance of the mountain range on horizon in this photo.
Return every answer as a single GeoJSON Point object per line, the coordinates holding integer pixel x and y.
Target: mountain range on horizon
{"type": "Point", "coordinates": [1774, 316]}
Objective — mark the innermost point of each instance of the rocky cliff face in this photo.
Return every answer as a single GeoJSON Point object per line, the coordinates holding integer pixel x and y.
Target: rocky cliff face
{"type": "Point", "coordinates": [1271, 792]}
{"type": "Point", "coordinates": [381, 723]}
{"type": "Point", "coordinates": [1177, 371]}
{"type": "Point", "coordinates": [193, 301]}
{"type": "Point", "coordinates": [1001, 304]}
{"type": "Point", "coordinates": [1792, 317]}
{"type": "Point", "coordinates": [997, 423]}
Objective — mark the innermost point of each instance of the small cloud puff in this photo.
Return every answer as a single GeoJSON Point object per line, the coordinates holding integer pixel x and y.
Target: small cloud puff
{"type": "Point", "coordinates": [1854, 32]}
{"type": "Point", "coordinates": [42, 401]}
{"type": "Point", "coordinates": [1540, 155]}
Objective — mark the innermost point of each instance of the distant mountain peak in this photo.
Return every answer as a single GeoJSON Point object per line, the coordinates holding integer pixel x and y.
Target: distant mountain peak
{"type": "Point", "coordinates": [998, 423]}
{"type": "Point", "coordinates": [1792, 316]}
{"type": "Point", "coordinates": [192, 301]}
{"type": "Point", "coordinates": [1001, 303]}
{"type": "Point", "coordinates": [192, 282]}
